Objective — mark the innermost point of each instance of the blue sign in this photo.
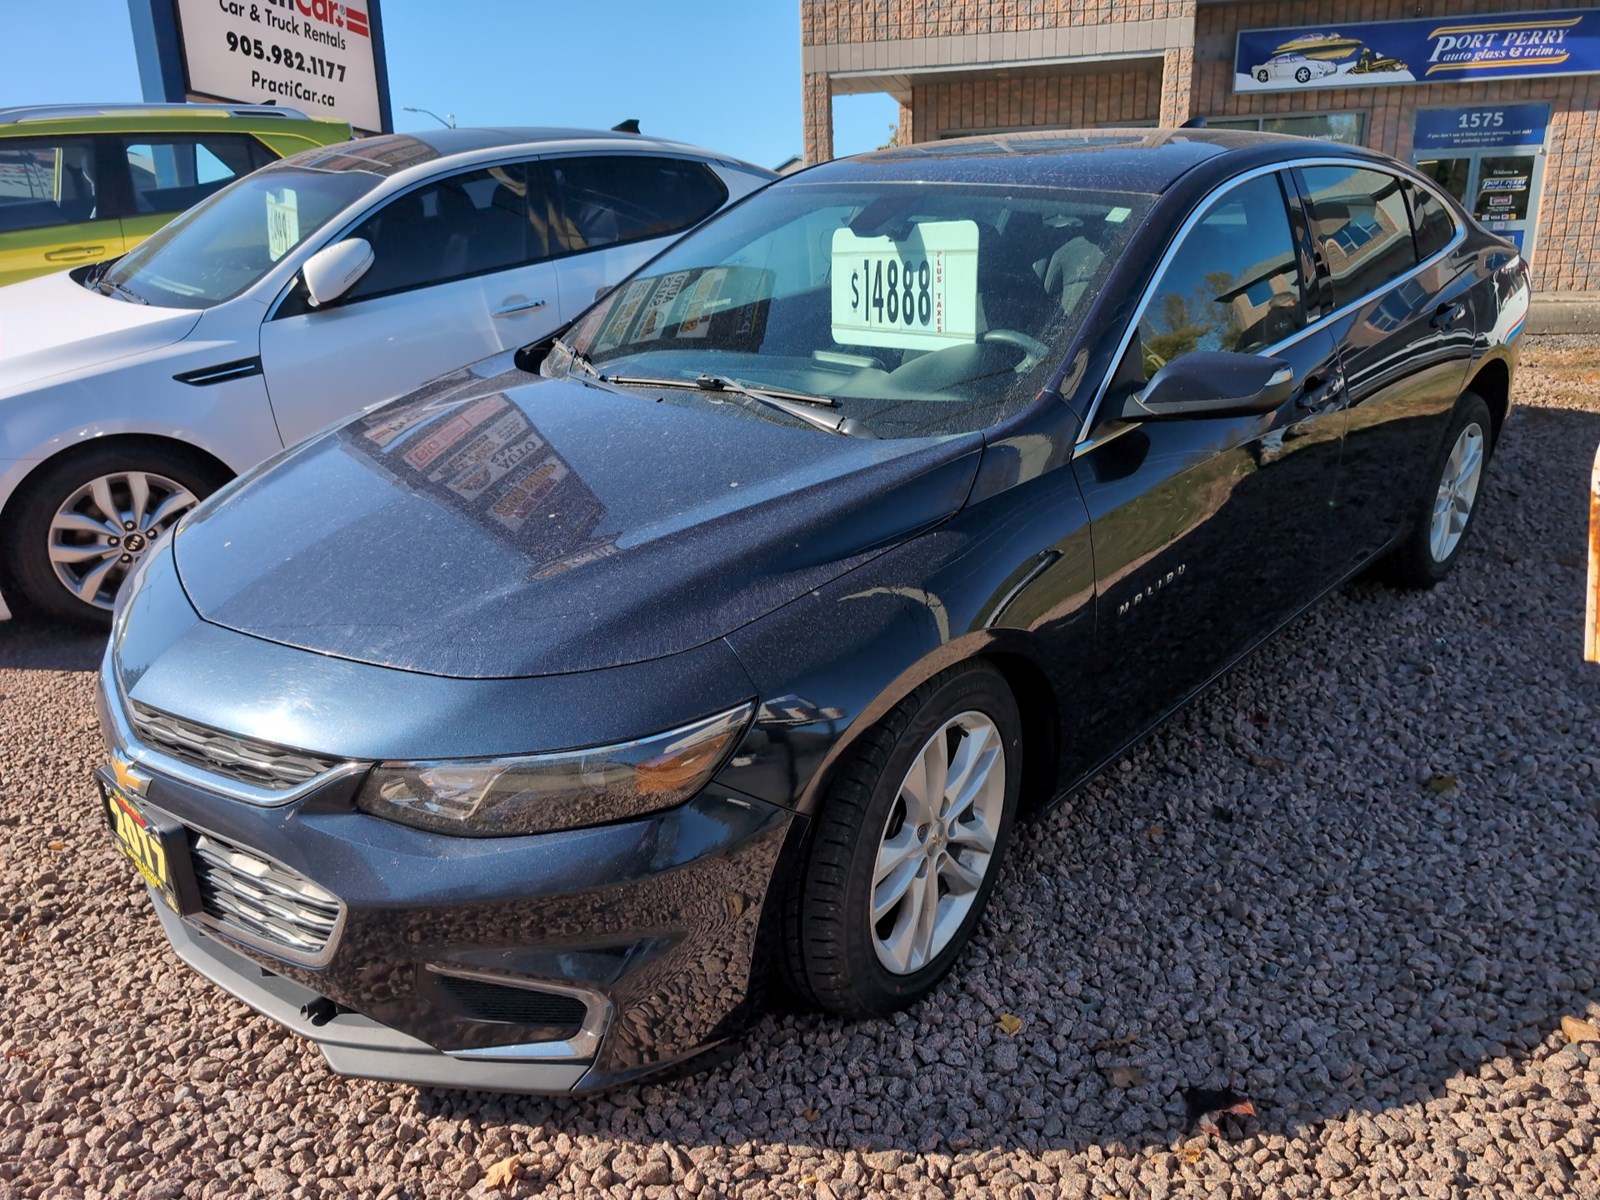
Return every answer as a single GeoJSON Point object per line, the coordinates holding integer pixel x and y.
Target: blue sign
{"type": "Point", "coordinates": [1480, 126]}
{"type": "Point", "coordinates": [1432, 50]}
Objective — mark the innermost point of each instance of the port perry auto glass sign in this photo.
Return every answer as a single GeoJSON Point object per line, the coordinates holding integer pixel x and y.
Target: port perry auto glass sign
{"type": "Point", "coordinates": [313, 55]}
{"type": "Point", "coordinates": [1432, 50]}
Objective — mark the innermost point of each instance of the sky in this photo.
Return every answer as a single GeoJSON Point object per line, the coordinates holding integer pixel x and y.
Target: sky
{"type": "Point", "coordinates": [724, 74]}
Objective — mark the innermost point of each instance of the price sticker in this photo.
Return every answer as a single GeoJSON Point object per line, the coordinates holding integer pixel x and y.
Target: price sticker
{"type": "Point", "coordinates": [283, 222]}
{"type": "Point", "coordinates": [920, 293]}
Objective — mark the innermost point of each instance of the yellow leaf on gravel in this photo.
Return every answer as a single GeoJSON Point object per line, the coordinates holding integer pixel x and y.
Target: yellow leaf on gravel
{"type": "Point", "coordinates": [1441, 783]}
{"type": "Point", "coordinates": [1156, 832]}
{"type": "Point", "coordinates": [1579, 1030]}
{"type": "Point", "coordinates": [1010, 1024]}
{"type": "Point", "coordinates": [58, 845]}
{"type": "Point", "coordinates": [503, 1173]}
{"type": "Point", "coordinates": [1191, 1154]}
{"type": "Point", "coordinates": [1125, 1076]}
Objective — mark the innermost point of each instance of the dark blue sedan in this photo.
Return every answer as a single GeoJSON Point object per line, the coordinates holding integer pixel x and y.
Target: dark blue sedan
{"type": "Point", "coordinates": [521, 732]}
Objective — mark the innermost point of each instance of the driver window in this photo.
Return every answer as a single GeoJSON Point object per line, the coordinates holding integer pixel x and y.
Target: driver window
{"type": "Point", "coordinates": [1234, 283]}
{"type": "Point", "coordinates": [460, 226]}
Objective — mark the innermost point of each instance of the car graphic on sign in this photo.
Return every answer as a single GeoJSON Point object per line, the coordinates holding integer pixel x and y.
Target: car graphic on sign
{"type": "Point", "coordinates": [1292, 66]}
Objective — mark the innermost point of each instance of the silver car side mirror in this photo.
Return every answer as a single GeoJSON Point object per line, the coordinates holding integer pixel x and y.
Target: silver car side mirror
{"type": "Point", "coordinates": [334, 270]}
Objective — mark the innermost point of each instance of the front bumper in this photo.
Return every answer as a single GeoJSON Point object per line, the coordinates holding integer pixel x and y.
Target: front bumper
{"type": "Point", "coordinates": [356, 1045]}
{"type": "Point", "coordinates": [659, 925]}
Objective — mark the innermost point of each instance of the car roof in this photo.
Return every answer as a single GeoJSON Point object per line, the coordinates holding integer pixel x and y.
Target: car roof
{"type": "Point", "coordinates": [449, 142]}
{"type": "Point", "coordinates": [121, 118]}
{"type": "Point", "coordinates": [1129, 160]}
{"type": "Point", "coordinates": [424, 153]}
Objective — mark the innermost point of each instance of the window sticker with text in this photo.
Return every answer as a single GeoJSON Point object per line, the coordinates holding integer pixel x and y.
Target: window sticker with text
{"type": "Point", "coordinates": [919, 293]}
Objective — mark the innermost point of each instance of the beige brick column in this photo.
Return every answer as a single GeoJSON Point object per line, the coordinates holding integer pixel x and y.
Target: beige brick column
{"type": "Point", "coordinates": [818, 117]}
{"type": "Point", "coordinates": [1177, 82]}
{"type": "Point", "coordinates": [907, 126]}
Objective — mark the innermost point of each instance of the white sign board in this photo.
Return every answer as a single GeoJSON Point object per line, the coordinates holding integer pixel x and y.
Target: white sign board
{"type": "Point", "coordinates": [920, 293]}
{"type": "Point", "coordinates": [313, 55]}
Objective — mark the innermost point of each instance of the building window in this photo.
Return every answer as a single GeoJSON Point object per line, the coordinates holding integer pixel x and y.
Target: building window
{"type": "Point", "coordinates": [1346, 127]}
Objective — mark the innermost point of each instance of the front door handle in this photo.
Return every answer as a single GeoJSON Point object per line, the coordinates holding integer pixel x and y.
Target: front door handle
{"type": "Point", "coordinates": [512, 307]}
{"type": "Point", "coordinates": [1447, 315]}
{"type": "Point", "coordinates": [1321, 392]}
{"type": "Point", "coordinates": [73, 253]}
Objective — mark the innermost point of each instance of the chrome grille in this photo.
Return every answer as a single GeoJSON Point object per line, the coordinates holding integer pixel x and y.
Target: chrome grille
{"type": "Point", "coordinates": [245, 892]}
{"type": "Point", "coordinates": [245, 759]}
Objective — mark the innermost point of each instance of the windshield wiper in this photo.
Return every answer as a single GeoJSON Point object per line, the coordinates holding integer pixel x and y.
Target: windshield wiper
{"type": "Point", "coordinates": [798, 405]}
{"type": "Point", "coordinates": [578, 357]}
{"type": "Point", "coordinates": [119, 290]}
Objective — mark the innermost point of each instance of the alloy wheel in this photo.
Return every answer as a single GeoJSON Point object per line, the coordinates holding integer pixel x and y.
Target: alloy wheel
{"type": "Point", "coordinates": [938, 842]}
{"type": "Point", "coordinates": [1458, 488]}
{"type": "Point", "coordinates": [104, 527]}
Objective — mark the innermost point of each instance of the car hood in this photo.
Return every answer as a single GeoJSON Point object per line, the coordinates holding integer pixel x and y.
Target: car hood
{"type": "Point", "coordinates": [487, 528]}
{"type": "Point", "coordinates": [52, 326]}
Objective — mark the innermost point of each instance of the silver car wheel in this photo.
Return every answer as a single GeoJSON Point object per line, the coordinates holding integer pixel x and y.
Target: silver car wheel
{"type": "Point", "coordinates": [1458, 488]}
{"type": "Point", "coordinates": [107, 525]}
{"type": "Point", "coordinates": [937, 845]}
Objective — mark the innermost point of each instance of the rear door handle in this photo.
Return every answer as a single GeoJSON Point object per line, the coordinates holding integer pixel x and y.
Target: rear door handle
{"type": "Point", "coordinates": [512, 307]}
{"type": "Point", "coordinates": [70, 253]}
{"type": "Point", "coordinates": [1447, 315]}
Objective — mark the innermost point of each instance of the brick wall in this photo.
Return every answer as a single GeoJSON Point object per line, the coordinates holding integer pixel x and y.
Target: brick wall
{"type": "Point", "coordinates": [1567, 248]}
{"type": "Point", "coordinates": [834, 21]}
{"type": "Point", "coordinates": [1064, 100]}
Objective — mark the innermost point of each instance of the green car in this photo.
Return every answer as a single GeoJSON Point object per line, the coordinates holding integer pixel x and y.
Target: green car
{"type": "Point", "coordinates": [83, 182]}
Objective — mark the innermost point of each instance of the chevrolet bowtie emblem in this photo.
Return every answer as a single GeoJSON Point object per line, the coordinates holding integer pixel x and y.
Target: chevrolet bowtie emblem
{"type": "Point", "coordinates": [129, 778]}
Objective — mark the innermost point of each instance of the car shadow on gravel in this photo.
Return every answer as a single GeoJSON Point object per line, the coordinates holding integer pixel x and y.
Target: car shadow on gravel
{"type": "Point", "coordinates": [1361, 873]}
{"type": "Point", "coordinates": [32, 644]}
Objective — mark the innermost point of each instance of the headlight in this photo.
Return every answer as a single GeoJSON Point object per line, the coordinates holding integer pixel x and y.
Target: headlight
{"type": "Point", "coordinates": [502, 797]}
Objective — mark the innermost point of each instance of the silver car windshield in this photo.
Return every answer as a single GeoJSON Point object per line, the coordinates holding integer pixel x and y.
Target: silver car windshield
{"type": "Point", "coordinates": [226, 243]}
{"type": "Point", "coordinates": [919, 309]}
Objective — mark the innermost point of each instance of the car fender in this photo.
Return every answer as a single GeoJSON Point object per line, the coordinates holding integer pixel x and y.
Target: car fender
{"type": "Point", "coordinates": [1010, 578]}
{"type": "Point", "coordinates": [229, 419]}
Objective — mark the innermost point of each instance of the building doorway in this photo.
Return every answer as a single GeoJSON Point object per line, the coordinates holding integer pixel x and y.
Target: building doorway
{"type": "Point", "coordinates": [1491, 158]}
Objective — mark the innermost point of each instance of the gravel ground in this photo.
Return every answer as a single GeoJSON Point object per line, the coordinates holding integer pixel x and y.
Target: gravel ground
{"type": "Point", "coordinates": [1357, 883]}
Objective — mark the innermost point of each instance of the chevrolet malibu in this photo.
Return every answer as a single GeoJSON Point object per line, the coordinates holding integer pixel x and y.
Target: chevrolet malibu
{"type": "Point", "coordinates": [519, 734]}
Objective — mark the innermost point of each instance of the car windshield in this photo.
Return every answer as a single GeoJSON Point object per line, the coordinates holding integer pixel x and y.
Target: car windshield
{"type": "Point", "coordinates": [920, 310]}
{"type": "Point", "coordinates": [224, 244]}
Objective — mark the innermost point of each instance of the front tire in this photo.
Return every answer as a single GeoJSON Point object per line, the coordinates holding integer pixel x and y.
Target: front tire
{"type": "Point", "coordinates": [85, 520]}
{"type": "Point", "coordinates": [1445, 515]}
{"type": "Point", "coordinates": [907, 846]}
{"type": "Point", "coordinates": [1303, 75]}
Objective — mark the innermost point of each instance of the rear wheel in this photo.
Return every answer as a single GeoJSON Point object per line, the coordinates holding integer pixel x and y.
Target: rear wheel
{"type": "Point", "coordinates": [907, 846]}
{"type": "Point", "coordinates": [1443, 519]}
{"type": "Point", "coordinates": [86, 520]}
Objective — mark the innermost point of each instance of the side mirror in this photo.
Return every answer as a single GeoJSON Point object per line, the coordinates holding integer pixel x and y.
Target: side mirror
{"type": "Point", "coordinates": [334, 270]}
{"type": "Point", "coordinates": [1212, 383]}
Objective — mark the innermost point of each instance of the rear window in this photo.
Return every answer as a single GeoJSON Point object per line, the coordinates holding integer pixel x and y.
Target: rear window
{"type": "Point", "coordinates": [1361, 226]}
{"type": "Point", "coordinates": [1430, 218]}
{"type": "Point", "coordinates": [608, 199]}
